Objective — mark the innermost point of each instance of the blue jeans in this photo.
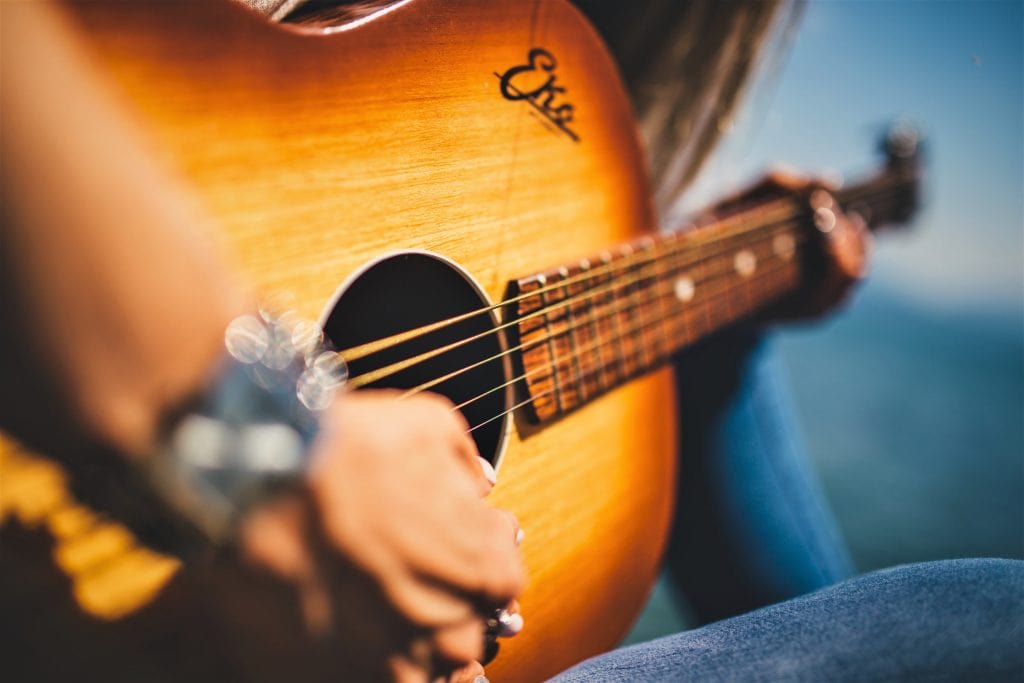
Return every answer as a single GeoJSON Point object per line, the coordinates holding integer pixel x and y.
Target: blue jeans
{"type": "Point", "coordinates": [757, 554]}
{"type": "Point", "coordinates": [949, 620]}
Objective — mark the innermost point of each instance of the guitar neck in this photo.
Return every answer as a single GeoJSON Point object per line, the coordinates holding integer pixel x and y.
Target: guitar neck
{"type": "Point", "coordinates": [587, 327]}
{"type": "Point", "coordinates": [584, 328]}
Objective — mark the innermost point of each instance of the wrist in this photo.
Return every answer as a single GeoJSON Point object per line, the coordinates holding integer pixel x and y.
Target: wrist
{"type": "Point", "coordinates": [247, 435]}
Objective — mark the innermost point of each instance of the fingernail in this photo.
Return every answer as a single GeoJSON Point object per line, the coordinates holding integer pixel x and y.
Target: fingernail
{"type": "Point", "coordinates": [489, 472]}
{"type": "Point", "coordinates": [520, 535]}
{"type": "Point", "coordinates": [481, 679]}
{"type": "Point", "coordinates": [511, 624]}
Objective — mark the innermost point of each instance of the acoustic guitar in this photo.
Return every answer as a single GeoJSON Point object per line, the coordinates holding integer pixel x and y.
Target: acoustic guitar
{"type": "Point", "coordinates": [457, 190]}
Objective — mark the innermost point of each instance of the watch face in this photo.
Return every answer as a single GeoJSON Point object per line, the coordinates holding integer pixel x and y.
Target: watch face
{"type": "Point", "coordinates": [248, 435]}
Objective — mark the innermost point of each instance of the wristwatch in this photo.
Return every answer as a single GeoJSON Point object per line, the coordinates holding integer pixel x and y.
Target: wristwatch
{"type": "Point", "coordinates": [247, 437]}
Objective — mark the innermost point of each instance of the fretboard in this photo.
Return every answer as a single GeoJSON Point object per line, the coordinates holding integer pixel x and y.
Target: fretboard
{"type": "Point", "coordinates": [587, 327]}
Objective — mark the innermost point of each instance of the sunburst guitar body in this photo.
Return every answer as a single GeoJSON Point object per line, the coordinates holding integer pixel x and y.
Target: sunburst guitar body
{"type": "Point", "coordinates": [390, 172]}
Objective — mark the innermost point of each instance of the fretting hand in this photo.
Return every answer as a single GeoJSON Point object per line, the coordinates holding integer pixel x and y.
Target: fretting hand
{"type": "Point", "coordinates": [846, 248]}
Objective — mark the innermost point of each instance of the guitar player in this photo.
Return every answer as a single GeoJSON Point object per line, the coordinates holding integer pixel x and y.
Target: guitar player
{"type": "Point", "coordinates": [370, 565]}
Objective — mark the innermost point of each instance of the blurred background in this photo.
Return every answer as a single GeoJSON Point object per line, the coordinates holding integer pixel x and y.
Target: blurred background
{"type": "Point", "coordinates": [912, 399]}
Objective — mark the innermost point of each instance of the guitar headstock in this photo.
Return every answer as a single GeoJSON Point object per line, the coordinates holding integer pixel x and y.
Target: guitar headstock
{"type": "Point", "coordinates": [891, 196]}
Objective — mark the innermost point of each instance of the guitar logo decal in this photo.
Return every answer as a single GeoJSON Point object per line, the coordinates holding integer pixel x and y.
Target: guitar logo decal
{"type": "Point", "coordinates": [535, 82]}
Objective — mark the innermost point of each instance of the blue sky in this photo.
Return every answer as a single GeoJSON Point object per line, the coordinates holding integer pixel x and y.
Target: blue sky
{"type": "Point", "coordinates": [957, 68]}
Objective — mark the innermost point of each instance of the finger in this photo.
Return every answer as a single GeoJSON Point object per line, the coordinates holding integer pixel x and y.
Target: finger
{"type": "Point", "coordinates": [274, 537]}
{"type": "Point", "coordinates": [865, 242]}
{"type": "Point", "coordinates": [471, 673]}
{"type": "Point", "coordinates": [468, 548]}
{"type": "Point", "coordinates": [490, 474]}
{"type": "Point", "coordinates": [847, 246]}
{"type": "Point", "coordinates": [481, 470]}
{"type": "Point", "coordinates": [488, 577]}
{"type": "Point", "coordinates": [505, 577]}
{"type": "Point", "coordinates": [463, 444]}
{"type": "Point", "coordinates": [427, 604]}
{"type": "Point", "coordinates": [517, 531]}
{"type": "Point", "coordinates": [460, 643]}
{"type": "Point", "coordinates": [407, 669]}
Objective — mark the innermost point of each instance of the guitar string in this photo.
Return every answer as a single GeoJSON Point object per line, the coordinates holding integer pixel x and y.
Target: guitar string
{"type": "Point", "coordinates": [548, 392]}
{"type": "Point", "coordinates": [398, 366]}
{"type": "Point", "coordinates": [568, 302]}
{"type": "Point", "coordinates": [598, 343]}
{"type": "Point", "coordinates": [604, 314]}
{"type": "Point", "coordinates": [625, 261]}
{"type": "Point", "coordinates": [507, 412]}
{"type": "Point", "coordinates": [853, 195]}
{"type": "Point", "coordinates": [860, 193]}
{"type": "Point", "coordinates": [553, 369]}
{"type": "Point", "coordinates": [655, 298]}
{"type": "Point", "coordinates": [612, 283]}
{"type": "Point", "coordinates": [377, 374]}
{"type": "Point", "coordinates": [553, 366]}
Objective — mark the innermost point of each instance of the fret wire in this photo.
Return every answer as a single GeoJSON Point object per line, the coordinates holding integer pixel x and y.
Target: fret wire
{"type": "Point", "coordinates": [659, 273]}
{"type": "Point", "coordinates": [630, 288]}
{"type": "Point", "coordinates": [661, 343]}
{"type": "Point", "coordinates": [595, 333]}
{"type": "Point", "coordinates": [684, 332]}
{"type": "Point", "coordinates": [705, 312]}
{"type": "Point", "coordinates": [745, 286]}
{"type": "Point", "coordinates": [533, 325]}
{"type": "Point", "coordinates": [620, 356]}
{"type": "Point", "coordinates": [552, 348]}
{"type": "Point", "coordinates": [571, 335]}
{"type": "Point", "coordinates": [596, 346]}
{"type": "Point", "coordinates": [648, 350]}
{"type": "Point", "coordinates": [581, 310]}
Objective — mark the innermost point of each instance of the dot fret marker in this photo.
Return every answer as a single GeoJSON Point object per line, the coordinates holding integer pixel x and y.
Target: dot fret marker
{"type": "Point", "coordinates": [685, 289]}
{"type": "Point", "coordinates": [745, 262]}
{"type": "Point", "coordinates": [784, 246]}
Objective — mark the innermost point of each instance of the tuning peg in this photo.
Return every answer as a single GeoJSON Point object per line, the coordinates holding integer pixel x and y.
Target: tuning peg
{"type": "Point", "coordinates": [902, 140]}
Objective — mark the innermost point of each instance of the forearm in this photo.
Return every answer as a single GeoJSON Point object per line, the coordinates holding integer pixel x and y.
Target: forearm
{"type": "Point", "coordinates": [121, 298]}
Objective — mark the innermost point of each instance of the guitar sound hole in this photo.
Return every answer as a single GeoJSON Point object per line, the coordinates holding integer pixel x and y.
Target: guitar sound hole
{"type": "Point", "coordinates": [410, 290]}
